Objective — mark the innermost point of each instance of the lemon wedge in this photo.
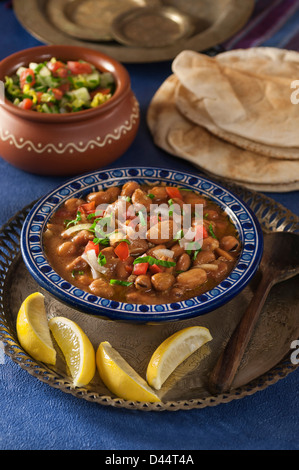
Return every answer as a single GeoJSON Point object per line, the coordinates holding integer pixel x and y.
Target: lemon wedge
{"type": "Point", "coordinates": [77, 349]}
{"type": "Point", "coordinates": [33, 330]}
{"type": "Point", "coordinates": [120, 378]}
{"type": "Point", "coordinates": [173, 351]}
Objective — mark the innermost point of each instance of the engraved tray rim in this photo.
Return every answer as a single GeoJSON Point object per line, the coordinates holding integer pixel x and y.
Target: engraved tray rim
{"type": "Point", "coordinates": [232, 21]}
{"type": "Point", "coordinates": [281, 219]}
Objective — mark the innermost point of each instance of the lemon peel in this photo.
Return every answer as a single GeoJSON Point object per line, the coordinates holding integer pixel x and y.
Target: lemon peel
{"type": "Point", "coordinates": [120, 378]}
{"type": "Point", "coordinates": [76, 348]}
{"type": "Point", "coordinates": [173, 351]}
{"type": "Point", "coordinates": [33, 331]}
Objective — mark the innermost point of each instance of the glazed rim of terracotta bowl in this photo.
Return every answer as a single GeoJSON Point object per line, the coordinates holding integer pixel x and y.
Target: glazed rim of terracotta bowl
{"type": "Point", "coordinates": [102, 62]}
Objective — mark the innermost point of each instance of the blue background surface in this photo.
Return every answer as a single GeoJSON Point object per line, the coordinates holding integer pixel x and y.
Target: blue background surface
{"type": "Point", "coordinates": [34, 416]}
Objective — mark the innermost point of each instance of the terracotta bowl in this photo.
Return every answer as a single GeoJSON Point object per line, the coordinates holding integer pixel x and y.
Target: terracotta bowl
{"type": "Point", "coordinates": [74, 143]}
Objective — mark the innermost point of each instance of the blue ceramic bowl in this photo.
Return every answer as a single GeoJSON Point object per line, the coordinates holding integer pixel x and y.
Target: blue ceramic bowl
{"type": "Point", "coordinates": [245, 221]}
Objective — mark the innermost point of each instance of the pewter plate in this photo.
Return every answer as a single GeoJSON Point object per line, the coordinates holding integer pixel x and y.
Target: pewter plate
{"type": "Point", "coordinates": [88, 19]}
{"type": "Point", "coordinates": [215, 22]}
{"type": "Point", "coordinates": [152, 27]}
{"type": "Point", "coordinates": [267, 359]}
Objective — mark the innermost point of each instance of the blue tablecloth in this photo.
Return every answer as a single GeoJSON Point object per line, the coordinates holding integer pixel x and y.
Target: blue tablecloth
{"type": "Point", "coordinates": [36, 416]}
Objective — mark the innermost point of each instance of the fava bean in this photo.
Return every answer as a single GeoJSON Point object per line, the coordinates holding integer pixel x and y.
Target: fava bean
{"type": "Point", "coordinates": [192, 278]}
{"type": "Point", "coordinates": [129, 188]}
{"type": "Point", "coordinates": [204, 257]}
{"type": "Point", "coordinates": [160, 193]}
{"type": "Point", "coordinates": [66, 248]}
{"type": "Point", "coordinates": [78, 263]}
{"type": "Point", "coordinates": [139, 198]}
{"type": "Point", "coordinates": [101, 288]}
{"type": "Point", "coordinates": [184, 262]}
{"type": "Point", "coordinates": [163, 281]}
{"type": "Point", "coordinates": [82, 237]}
{"type": "Point", "coordinates": [143, 282]}
{"type": "Point", "coordinates": [229, 243]}
{"type": "Point", "coordinates": [210, 243]}
{"type": "Point", "coordinates": [73, 203]}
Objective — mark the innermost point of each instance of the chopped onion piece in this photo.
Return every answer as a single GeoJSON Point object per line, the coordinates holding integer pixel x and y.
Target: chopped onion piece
{"type": "Point", "coordinates": [91, 258]}
{"type": "Point", "coordinates": [163, 252]}
{"type": "Point", "coordinates": [76, 228]}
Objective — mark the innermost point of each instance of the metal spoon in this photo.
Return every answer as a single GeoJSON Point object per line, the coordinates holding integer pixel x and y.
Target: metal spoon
{"type": "Point", "coordinates": [280, 261]}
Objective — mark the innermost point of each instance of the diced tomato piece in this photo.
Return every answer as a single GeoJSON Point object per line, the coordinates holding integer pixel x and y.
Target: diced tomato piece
{"type": "Point", "coordinates": [200, 231]}
{"type": "Point", "coordinates": [58, 69]}
{"type": "Point", "coordinates": [88, 208]}
{"type": "Point", "coordinates": [173, 192]}
{"type": "Point", "coordinates": [27, 77]}
{"type": "Point", "coordinates": [27, 103]}
{"type": "Point", "coordinates": [154, 269]}
{"type": "Point", "coordinates": [58, 94]}
{"type": "Point", "coordinates": [54, 66]}
{"type": "Point", "coordinates": [122, 251]}
{"type": "Point", "coordinates": [92, 246]}
{"type": "Point", "coordinates": [140, 268]}
{"type": "Point", "coordinates": [62, 72]}
{"type": "Point", "coordinates": [79, 67]}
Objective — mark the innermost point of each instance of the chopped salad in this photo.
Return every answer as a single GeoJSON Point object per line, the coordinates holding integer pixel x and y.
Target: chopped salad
{"type": "Point", "coordinates": [59, 87]}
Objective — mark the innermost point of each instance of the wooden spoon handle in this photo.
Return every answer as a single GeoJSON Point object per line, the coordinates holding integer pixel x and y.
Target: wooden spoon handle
{"type": "Point", "coordinates": [226, 367]}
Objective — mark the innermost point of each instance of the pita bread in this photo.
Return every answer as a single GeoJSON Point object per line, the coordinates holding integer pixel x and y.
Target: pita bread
{"type": "Point", "coordinates": [177, 135]}
{"type": "Point", "coordinates": [194, 109]}
{"type": "Point", "coordinates": [266, 188]}
{"type": "Point", "coordinates": [267, 60]}
{"type": "Point", "coordinates": [250, 102]}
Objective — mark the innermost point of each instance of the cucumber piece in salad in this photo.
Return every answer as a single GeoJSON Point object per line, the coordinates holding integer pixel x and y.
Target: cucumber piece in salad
{"type": "Point", "coordinates": [59, 87]}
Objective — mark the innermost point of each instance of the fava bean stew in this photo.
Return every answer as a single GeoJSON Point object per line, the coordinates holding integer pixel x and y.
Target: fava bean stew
{"type": "Point", "coordinates": [142, 244]}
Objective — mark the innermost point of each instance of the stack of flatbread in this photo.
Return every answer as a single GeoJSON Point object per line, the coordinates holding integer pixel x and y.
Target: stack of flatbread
{"type": "Point", "coordinates": [233, 116]}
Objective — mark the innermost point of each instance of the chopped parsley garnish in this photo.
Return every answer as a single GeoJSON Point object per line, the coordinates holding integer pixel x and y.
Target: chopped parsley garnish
{"type": "Point", "coordinates": [179, 235]}
{"type": "Point", "coordinates": [151, 260]}
{"type": "Point", "coordinates": [120, 283]}
{"type": "Point", "coordinates": [102, 259]}
{"type": "Point", "coordinates": [94, 214]}
{"type": "Point", "coordinates": [103, 241]}
{"type": "Point", "coordinates": [211, 231]}
{"type": "Point", "coordinates": [75, 273]}
{"type": "Point", "coordinates": [78, 219]}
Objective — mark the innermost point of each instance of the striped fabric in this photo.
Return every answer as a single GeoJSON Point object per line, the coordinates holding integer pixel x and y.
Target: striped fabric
{"type": "Point", "coordinates": [273, 23]}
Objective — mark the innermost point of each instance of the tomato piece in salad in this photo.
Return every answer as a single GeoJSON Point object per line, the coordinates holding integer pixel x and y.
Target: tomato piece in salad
{"type": "Point", "coordinates": [58, 69]}
{"type": "Point", "coordinates": [27, 76]}
{"type": "Point", "coordinates": [27, 103]}
{"type": "Point", "coordinates": [79, 67]}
